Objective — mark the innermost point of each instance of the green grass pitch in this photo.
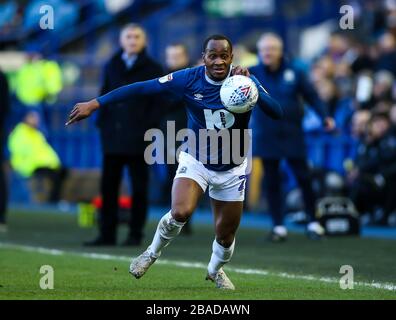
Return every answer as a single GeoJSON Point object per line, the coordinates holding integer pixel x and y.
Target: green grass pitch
{"type": "Point", "coordinates": [297, 269]}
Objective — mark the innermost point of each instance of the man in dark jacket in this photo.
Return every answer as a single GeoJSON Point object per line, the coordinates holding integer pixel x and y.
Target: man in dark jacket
{"type": "Point", "coordinates": [122, 135]}
{"type": "Point", "coordinates": [274, 141]}
{"type": "Point", "coordinates": [4, 108]}
{"type": "Point", "coordinates": [373, 179]}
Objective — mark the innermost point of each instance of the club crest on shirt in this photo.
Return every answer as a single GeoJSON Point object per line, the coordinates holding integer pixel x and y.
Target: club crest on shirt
{"type": "Point", "coordinates": [289, 75]}
{"type": "Point", "coordinates": [167, 78]}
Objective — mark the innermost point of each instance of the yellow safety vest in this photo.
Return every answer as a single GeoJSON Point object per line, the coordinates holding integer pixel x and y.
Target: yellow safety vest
{"type": "Point", "coordinates": [30, 150]}
{"type": "Point", "coordinates": [37, 80]}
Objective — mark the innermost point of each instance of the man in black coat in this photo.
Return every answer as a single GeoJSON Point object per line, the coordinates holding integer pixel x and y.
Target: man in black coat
{"type": "Point", "coordinates": [122, 135]}
{"type": "Point", "coordinates": [4, 108]}
{"type": "Point", "coordinates": [274, 141]}
{"type": "Point", "coordinates": [373, 180]}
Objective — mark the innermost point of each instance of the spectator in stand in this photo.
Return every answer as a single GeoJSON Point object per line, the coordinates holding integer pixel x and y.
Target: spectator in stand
{"type": "Point", "coordinates": [38, 81]}
{"type": "Point", "coordinates": [341, 109]}
{"type": "Point", "coordinates": [32, 156]}
{"type": "Point", "coordinates": [325, 68]}
{"type": "Point", "coordinates": [383, 85]}
{"type": "Point", "coordinates": [387, 53]}
{"type": "Point", "coordinates": [359, 57]}
{"type": "Point", "coordinates": [360, 120]}
{"type": "Point", "coordinates": [373, 179]}
{"type": "Point", "coordinates": [337, 47]}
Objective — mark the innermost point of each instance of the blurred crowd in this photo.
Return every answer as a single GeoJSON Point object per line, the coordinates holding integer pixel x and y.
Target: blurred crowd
{"type": "Point", "coordinates": [20, 17]}
{"type": "Point", "coordinates": [24, 16]}
{"type": "Point", "coordinates": [355, 76]}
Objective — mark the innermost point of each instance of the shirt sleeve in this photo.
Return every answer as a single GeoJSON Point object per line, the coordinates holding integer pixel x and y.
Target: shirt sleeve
{"type": "Point", "coordinates": [173, 83]}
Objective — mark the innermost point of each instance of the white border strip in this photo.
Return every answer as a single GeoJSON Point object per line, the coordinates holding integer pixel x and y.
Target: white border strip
{"type": "Point", "coordinates": [198, 265]}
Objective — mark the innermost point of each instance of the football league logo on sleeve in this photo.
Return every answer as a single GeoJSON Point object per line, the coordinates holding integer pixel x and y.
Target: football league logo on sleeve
{"type": "Point", "coordinates": [166, 78]}
{"type": "Point", "coordinates": [183, 169]}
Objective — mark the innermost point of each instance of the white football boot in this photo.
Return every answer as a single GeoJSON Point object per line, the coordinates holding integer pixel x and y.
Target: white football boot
{"type": "Point", "coordinates": [278, 234]}
{"type": "Point", "coordinates": [140, 265]}
{"type": "Point", "coordinates": [315, 231]}
{"type": "Point", "coordinates": [221, 280]}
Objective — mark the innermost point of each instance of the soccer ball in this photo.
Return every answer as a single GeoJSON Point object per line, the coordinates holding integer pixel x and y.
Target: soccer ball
{"type": "Point", "coordinates": [238, 94]}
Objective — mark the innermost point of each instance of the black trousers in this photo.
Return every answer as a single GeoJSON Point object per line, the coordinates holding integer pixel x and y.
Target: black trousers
{"type": "Point", "coordinates": [3, 192]}
{"type": "Point", "coordinates": [113, 165]}
{"type": "Point", "coordinates": [273, 186]}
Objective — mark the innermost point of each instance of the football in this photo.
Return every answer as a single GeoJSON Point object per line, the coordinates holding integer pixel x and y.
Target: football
{"type": "Point", "coordinates": [238, 94]}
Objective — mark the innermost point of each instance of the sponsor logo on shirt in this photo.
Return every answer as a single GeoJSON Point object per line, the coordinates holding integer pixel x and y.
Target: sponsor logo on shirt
{"type": "Point", "coordinates": [198, 96]}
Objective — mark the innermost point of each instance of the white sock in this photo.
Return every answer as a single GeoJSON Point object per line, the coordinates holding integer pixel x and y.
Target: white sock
{"type": "Point", "coordinates": [167, 229]}
{"type": "Point", "coordinates": [220, 256]}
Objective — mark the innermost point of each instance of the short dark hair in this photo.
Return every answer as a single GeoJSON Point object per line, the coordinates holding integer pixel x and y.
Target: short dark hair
{"type": "Point", "coordinates": [380, 115]}
{"type": "Point", "coordinates": [178, 44]}
{"type": "Point", "coordinates": [133, 25]}
{"type": "Point", "coordinates": [216, 37]}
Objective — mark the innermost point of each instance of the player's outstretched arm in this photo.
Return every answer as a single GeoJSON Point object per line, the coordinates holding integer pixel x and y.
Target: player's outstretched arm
{"type": "Point", "coordinates": [269, 105]}
{"type": "Point", "coordinates": [85, 109]}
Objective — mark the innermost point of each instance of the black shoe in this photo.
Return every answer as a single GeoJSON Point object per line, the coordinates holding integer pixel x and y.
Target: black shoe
{"type": "Point", "coordinates": [100, 241]}
{"type": "Point", "coordinates": [134, 242]}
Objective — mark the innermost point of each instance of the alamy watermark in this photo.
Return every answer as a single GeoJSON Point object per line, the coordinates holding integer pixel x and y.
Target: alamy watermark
{"type": "Point", "coordinates": [346, 281]}
{"type": "Point", "coordinates": [47, 17]}
{"type": "Point", "coordinates": [347, 19]}
{"type": "Point", "coordinates": [47, 280]}
{"type": "Point", "coordinates": [209, 146]}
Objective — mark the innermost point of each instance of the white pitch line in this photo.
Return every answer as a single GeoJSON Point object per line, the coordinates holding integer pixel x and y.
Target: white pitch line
{"type": "Point", "coordinates": [198, 265]}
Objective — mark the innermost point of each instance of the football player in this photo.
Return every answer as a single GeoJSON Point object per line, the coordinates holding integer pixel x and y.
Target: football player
{"type": "Point", "coordinates": [199, 87]}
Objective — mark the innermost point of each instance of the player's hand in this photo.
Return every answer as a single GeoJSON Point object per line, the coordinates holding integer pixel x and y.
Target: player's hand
{"type": "Point", "coordinates": [329, 124]}
{"type": "Point", "coordinates": [82, 111]}
{"type": "Point", "coordinates": [238, 70]}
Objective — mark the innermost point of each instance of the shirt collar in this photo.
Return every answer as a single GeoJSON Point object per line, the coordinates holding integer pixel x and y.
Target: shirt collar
{"type": "Point", "coordinates": [217, 83]}
{"type": "Point", "coordinates": [129, 60]}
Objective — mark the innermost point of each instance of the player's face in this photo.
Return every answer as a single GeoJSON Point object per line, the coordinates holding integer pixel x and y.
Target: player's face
{"type": "Point", "coordinates": [217, 59]}
{"type": "Point", "coordinates": [133, 40]}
